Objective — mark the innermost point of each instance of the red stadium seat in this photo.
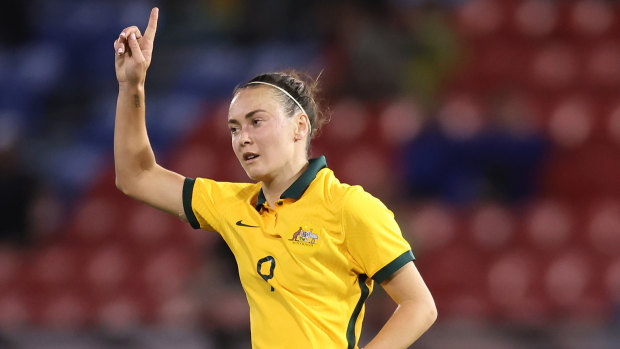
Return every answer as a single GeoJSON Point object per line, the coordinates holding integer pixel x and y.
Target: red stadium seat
{"type": "Point", "coordinates": [94, 220]}
{"type": "Point", "coordinates": [54, 267]}
{"type": "Point", "coordinates": [9, 267]}
{"type": "Point", "coordinates": [108, 268]}
{"type": "Point", "coordinates": [535, 18]}
{"type": "Point", "coordinates": [14, 312]}
{"type": "Point", "coordinates": [494, 63]}
{"type": "Point", "coordinates": [604, 228]}
{"type": "Point", "coordinates": [430, 227]}
{"type": "Point", "coordinates": [481, 17]}
{"type": "Point", "coordinates": [492, 227]}
{"type": "Point", "coordinates": [369, 168]}
{"type": "Point", "coordinates": [461, 117]}
{"type": "Point", "coordinates": [612, 280]}
{"type": "Point", "coordinates": [613, 124]}
{"type": "Point", "coordinates": [566, 279]}
{"type": "Point", "coordinates": [66, 311]}
{"type": "Point", "coordinates": [178, 312]}
{"type": "Point", "coordinates": [197, 160]}
{"type": "Point", "coordinates": [212, 132]}
{"type": "Point", "coordinates": [591, 18]}
{"type": "Point", "coordinates": [511, 281]}
{"type": "Point", "coordinates": [150, 227]}
{"type": "Point", "coordinates": [119, 314]}
{"type": "Point", "coordinates": [457, 267]}
{"type": "Point", "coordinates": [349, 121]}
{"type": "Point", "coordinates": [165, 272]}
{"type": "Point", "coordinates": [549, 225]}
{"type": "Point", "coordinates": [602, 67]}
{"type": "Point", "coordinates": [571, 122]}
{"type": "Point", "coordinates": [555, 67]}
{"type": "Point", "coordinates": [401, 121]}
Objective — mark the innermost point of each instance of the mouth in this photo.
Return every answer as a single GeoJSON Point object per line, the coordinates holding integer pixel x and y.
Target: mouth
{"type": "Point", "coordinates": [249, 156]}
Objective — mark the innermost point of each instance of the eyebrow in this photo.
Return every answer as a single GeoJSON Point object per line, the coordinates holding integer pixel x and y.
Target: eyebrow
{"type": "Point", "coordinates": [247, 116]}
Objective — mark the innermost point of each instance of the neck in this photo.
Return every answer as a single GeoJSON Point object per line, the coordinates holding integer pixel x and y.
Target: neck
{"type": "Point", "coordinates": [275, 187]}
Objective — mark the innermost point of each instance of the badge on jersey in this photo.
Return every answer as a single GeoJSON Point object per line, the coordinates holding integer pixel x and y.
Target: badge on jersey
{"type": "Point", "coordinates": [304, 237]}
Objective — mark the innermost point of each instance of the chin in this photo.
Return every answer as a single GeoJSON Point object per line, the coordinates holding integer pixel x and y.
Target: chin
{"type": "Point", "coordinates": [254, 175]}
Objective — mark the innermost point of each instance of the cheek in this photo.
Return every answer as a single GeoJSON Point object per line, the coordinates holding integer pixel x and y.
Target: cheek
{"type": "Point", "coordinates": [234, 143]}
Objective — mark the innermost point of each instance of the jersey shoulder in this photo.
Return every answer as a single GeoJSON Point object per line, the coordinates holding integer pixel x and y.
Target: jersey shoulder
{"type": "Point", "coordinates": [350, 196]}
{"type": "Point", "coordinates": [226, 191]}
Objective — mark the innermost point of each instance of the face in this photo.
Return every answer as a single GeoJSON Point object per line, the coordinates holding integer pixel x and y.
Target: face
{"type": "Point", "coordinates": [264, 138]}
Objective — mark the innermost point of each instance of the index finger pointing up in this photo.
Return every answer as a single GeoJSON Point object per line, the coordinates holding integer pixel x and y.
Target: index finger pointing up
{"type": "Point", "coordinates": [149, 33]}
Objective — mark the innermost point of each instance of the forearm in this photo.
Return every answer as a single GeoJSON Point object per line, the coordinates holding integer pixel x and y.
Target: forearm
{"type": "Point", "coordinates": [132, 150]}
{"type": "Point", "coordinates": [410, 320]}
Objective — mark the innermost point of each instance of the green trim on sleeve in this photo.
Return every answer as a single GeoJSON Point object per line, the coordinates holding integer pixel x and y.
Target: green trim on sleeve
{"type": "Point", "coordinates": [188, 190]}
{"type": "Point", "coordinates": [351, 340]}
{"type": "Point", "coordinates": [393, 266]}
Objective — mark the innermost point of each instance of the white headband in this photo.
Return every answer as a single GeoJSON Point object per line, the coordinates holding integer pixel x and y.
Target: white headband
{"type": "Point", "coordinates": [283, 91]}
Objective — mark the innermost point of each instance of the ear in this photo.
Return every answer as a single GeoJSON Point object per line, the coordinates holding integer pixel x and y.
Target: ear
{"type": "Point", "coordinates": [302, 127]}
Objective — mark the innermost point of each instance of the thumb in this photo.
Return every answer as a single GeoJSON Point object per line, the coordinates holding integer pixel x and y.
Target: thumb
{"type": "Point", "coordinates": [136, 52]}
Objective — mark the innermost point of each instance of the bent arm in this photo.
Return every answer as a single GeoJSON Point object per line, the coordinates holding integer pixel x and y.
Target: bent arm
{"type": "Point", "coordinates": [137, 173]}
{"type": "Point", "coordinates": [416, 310]}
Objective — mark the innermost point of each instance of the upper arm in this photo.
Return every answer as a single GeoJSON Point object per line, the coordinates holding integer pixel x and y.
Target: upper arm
{"type": "Point", "coordinates": [160, 188]}
{"type": "Point", "coordinates": [407, 284]}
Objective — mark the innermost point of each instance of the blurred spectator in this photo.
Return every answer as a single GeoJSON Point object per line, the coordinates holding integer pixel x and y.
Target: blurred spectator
{"type": "Point", "coordinates": [378, 50]}
{"type": "Point", "coordinates": [18, 188]}
{"type": "Point", "coordinates": [14, 25]}
{"type": "Point", "coordinates": [29, 211]}
{"type": "Point", "coordinates": [462, 159]}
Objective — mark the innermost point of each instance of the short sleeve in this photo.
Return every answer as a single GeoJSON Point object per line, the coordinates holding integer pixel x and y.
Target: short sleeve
{"type": "Point", "coordinates": [372, 236]}
{"type": "Point", "coordinates": [199, 198]}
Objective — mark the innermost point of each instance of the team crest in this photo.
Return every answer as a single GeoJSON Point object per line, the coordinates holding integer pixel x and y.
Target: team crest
{"type": "Point", "coordinates": [303, 237]}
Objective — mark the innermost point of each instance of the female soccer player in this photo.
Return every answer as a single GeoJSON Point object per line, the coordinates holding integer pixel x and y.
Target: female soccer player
{"type": "Point", "coordinates": [308, 247]}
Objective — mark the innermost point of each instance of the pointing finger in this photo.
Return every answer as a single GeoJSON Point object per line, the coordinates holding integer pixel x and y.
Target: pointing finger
{"type": "Point", "coordinates": [151, 28]}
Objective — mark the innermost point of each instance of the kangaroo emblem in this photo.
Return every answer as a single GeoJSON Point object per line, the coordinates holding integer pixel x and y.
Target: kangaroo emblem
{"type": "Point", "coordinates": [307, 237]}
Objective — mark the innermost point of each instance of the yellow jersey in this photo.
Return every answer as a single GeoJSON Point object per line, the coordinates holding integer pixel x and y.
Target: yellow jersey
{"type": "Point", "coordinates": [307, 265]}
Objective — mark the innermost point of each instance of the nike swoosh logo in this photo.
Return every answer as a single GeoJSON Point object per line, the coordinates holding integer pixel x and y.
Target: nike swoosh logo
{"type": "Point", "coordinates": [239, 223]}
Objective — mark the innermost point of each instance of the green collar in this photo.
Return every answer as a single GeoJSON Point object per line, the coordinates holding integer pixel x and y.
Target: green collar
{"type": "Point", "coordinates": [301, 184]}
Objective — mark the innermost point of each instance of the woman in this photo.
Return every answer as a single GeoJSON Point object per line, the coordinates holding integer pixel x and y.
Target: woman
{"type": "Point", "coordinates": [307, 247]}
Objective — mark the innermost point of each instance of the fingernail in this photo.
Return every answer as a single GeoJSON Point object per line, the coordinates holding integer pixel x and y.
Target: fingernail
{"type": "Point", "coordinates": [123, 34]}
{"type": "Point", "coordinates": [120, 50]}
{"type": "Point", "coordinates": [133, 36]}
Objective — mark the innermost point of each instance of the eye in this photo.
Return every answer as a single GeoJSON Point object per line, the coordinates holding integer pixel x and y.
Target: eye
{"type": "Point", "coordinates": [256, 122]}
{"type": "Point", "coordinates": [233, 129]}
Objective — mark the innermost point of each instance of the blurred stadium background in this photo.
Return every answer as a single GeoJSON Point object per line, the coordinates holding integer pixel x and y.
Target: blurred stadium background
{"type": "Point", "coordinates": [491, 128]}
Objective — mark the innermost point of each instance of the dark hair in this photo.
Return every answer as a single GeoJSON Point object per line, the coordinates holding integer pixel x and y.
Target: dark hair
{"type": "Point", "coordinates": [302, 87]}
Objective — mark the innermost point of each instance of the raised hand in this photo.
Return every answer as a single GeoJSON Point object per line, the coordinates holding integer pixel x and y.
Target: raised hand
{"type": "Point", "coordinates": [134, 52]}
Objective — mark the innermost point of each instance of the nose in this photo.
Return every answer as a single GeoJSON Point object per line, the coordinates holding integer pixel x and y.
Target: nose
{"type": "Point", "coordinates": [244, 138]}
